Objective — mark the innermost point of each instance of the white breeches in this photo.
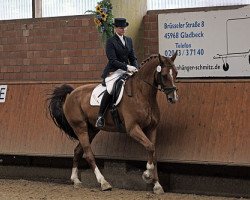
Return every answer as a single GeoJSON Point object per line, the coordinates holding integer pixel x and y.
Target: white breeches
{"type": "Point", "coordinates": [110, 79]}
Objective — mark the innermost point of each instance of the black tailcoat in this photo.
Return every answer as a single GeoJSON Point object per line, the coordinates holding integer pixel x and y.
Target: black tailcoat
{"type": "Point", "coordinates": [119, 56]}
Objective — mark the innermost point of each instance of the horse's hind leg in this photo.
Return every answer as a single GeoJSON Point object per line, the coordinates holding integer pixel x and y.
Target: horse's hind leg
{"type": "Point", "coordinates": [78, 153]}
{"type": "Point", "coordinates": [81, 131]}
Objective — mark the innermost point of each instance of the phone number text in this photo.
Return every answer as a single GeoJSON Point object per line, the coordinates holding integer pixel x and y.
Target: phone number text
{"type": "Point", "coordinates": [185, 52]}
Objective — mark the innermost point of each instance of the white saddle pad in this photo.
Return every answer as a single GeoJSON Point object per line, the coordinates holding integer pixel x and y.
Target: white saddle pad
{"type": "Point", "coordinates": [97, 94]}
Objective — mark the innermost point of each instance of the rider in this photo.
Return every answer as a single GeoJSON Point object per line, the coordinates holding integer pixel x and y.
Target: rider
{"type": "Point", "coordinates": [121, 58]}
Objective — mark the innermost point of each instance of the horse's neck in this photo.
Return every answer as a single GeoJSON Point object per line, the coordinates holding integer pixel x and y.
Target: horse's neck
{"type": "Point", "coordinates": [146, 77]}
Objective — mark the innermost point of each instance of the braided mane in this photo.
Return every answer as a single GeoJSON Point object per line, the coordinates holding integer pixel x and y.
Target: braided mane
{"type": "Point", "coordinates": [148, 59]}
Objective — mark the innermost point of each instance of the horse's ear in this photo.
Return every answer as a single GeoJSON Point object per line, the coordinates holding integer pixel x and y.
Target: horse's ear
{"type": "Point", "coordinates": [160, 59]}
{"type": "Point", "coordinates": [174, 56]}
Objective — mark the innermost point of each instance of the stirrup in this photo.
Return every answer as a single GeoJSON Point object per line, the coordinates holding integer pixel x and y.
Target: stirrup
{"type": "Point", "coordinates": [100, 122]}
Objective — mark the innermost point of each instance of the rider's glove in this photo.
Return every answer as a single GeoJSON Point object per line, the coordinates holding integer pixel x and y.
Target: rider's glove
{"type": "Point", "coordinates": [132, 69]}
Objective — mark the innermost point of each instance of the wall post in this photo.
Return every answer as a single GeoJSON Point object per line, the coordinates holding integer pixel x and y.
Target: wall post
{"type": "Point", "coordinates": [133, 11]}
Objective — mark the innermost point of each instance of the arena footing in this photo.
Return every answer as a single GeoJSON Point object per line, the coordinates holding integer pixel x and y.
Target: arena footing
{"type": "Point", "coordinates": [120, 175]}
{"type": "Point", "coordinates": [218, 180]}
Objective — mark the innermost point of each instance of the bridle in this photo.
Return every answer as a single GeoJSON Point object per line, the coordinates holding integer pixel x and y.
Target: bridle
{"type": "Point", "coordinates": [158, 81]}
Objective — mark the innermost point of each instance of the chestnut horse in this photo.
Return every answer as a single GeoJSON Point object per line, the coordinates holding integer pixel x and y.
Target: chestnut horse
{"type": "Point", "coordinates": [71, 111]}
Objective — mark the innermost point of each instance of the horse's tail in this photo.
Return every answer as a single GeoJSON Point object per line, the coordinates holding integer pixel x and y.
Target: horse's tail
{"type": "Point", "coordinates": [55, 106]}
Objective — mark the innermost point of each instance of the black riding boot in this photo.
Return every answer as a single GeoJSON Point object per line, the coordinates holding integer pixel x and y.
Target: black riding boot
{"type": "Point", "coordinates": [100, 122]}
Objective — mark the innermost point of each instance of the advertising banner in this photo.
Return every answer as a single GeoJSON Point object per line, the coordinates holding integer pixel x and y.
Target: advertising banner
{"type": "Point", "coordinates": [208, 43]}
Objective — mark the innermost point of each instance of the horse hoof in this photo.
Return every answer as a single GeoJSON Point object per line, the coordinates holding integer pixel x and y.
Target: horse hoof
{"type": "Point", "coordinates": [158, 190]}
{"type": "Point", "coordinates": [77, 185]}
{"type": "Point", "coordinates": [106, 186]}
{"type": "Point", "coordinates": [146, 177]}
{"type": "Point", "coordinates": [77, 182]}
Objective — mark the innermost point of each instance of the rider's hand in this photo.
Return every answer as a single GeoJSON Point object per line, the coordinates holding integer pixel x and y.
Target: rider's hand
{"type": "Point", "coordinates": [132, 69]}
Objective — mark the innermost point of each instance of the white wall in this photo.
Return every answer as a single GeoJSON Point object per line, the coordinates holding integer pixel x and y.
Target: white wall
{"type": "Point", "coordinates": [171, 4]}
{"type": "Point", "coordinates": [17, 9]}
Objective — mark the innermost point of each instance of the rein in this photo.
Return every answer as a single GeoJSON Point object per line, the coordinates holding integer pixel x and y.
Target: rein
{"type": "Point", "coordinates": [153, 86]}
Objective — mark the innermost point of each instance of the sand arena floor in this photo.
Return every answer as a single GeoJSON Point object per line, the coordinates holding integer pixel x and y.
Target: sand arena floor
{"type": "Point", "coordinates": [25, 190]}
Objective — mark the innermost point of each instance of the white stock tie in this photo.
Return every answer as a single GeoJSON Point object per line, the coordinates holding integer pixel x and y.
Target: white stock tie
{"type": "Point", "coordinates": [123, 41]}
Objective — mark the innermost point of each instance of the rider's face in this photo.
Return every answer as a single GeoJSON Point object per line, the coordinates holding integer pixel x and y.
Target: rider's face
{"type": "Point", "coordinates": [120, 30]}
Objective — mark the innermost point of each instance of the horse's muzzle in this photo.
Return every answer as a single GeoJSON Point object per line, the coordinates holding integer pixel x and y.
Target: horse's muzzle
{"type": "Point", "coordinates": [172, 100]}
{"type": "Point", "coordinates": [172, 96]}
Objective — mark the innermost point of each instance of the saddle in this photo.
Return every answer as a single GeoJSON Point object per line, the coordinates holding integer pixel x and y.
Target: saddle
{"type": "Point", "coordinates": [117, 93]}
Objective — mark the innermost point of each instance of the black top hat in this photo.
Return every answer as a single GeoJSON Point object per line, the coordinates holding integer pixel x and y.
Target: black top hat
{"type": "Point", "coordinates": [120, 22]}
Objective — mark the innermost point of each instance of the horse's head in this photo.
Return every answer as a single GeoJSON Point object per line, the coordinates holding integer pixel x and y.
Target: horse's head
{"type": "Point", "coordinates": [166, 74]}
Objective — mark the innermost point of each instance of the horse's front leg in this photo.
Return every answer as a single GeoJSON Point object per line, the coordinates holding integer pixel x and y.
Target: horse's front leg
{"type": "Point", "coordinates": [150, 175]}
{"type": "Point", "coordinates": [78, 153]}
